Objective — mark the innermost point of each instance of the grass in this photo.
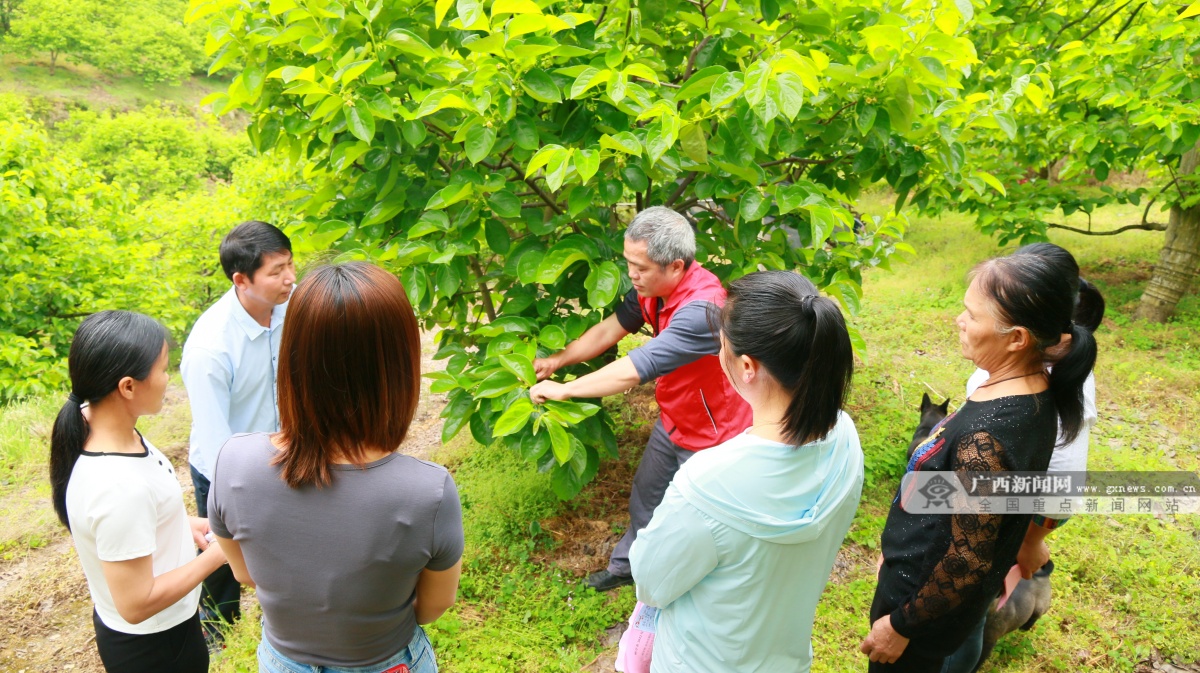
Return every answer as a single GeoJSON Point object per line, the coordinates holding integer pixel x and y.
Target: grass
{"type": "Point", "coordinates": [1124, 587]}
{"type": "Point", "coordinates": [82, 85]}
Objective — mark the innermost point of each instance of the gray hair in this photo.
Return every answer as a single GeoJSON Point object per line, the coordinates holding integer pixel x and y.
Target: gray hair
{"type": "Point", "coordinates": [667, 234]}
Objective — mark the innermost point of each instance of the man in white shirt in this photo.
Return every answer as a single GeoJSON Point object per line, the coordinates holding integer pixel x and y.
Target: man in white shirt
{"type": "Point", "coordinates": [229, 368]}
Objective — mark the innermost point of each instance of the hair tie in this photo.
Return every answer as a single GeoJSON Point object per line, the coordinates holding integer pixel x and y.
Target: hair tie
{"type": "Point", "coordinates": [74, 399]}
{"type": "Point", "coordinates": [807, 301]}
{"type": "Point", "coordinates": [1069, 325]}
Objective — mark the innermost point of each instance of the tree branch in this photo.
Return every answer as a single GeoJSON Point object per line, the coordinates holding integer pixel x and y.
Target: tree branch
{"type": "Point", "coordinates": [1104, 21]}
{"type": "Point", "coordinates": [680, 189]}
{"type": "Point", "coordinates": [838, 113]}
{"type": "Point", "coordinates": [483, 290]}
{"type": "Point", "coordinates": [1072, 23]}
{"type": "Point", "coordinates": [691, 63]}
{"type": "Point", "coordinates": [538, 190]}
{"type": "Point", "coordinates": [1145, 226]}
{"type": "Point", "coordinates": [1146, 212]}
{"type": "Point", "coordinates": [1128, 22]}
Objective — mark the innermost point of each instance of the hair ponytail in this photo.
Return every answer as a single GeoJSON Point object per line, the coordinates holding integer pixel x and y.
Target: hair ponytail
{"type": "Point", "coordinates": [824, 377]}
{"type": "Point", "coordinates": [67, 440]}
{"type": "Point", "coordinates": [107, 347]}
{"type": "Point", "coordinates": [1067, 378]}
{"type": "Point", "coordinates": [800, 337]}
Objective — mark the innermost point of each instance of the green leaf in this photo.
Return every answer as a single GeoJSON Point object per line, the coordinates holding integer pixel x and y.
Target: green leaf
{"type": "Point", "coordinates": [934, 67]}
{"type": "Point", "coordinates": [570, 412]}
{"type": "Point", "coordinates": [587, 163]}
{"type": "Point", "coordinates": [448, 281]}
{"type": "Point", "coordinates": [624, 142]}
{"type": "Point", "coordinates": [791, 94]}
{"type": "Point", "coordinates": [635, 177]}
{"type": "Point", "coordinates": [540, 87]}
{"type": "Point", "coordinates": [414, 132]}
{"type": "Point", "coordinates": [480, 140]}
{"type": "Point", "coordinates": [966, 9]}
{"type": "Point", "coordinates": [558, 260]}
{"type": "Point", "coordinates": [352, 71]}
{"type": "Point", "coordinates": [899, 104]}
{"type": "Point", "coordinates": [866, 119]}
{"type": "Point", "coordinates": [505, 204]}
{"type": "Point", "coordinates": [360, 122]}
{"type": "Point", "coordinates": [757, 78]}
{"type": "Point", "coordinates": [588, 79]}
{"type": "Point", "coordinates": [515, 7]}
{"type": "Point", "coordinates": [524, 132]}
{"type": "Point", "coordinates": [556, 168]}
{"type": "Point", "coordinates": [498, 238]}
{"type": "Point", "coordinates": [469, 11]}
{"type": "Point", "coordinates": [991, 180]}
{"type": "Point", "coordinates": [410, 42]}
{"type": "Point", "coordinates": [1006, 124]}
{"type": "Point", "coordinates": [533, 446]}
{"type": "Point", "coordinates": [514, 418]}
{"type": "Point", "coordinates": [439, 11]}
{"type": "Point", "coordinates": [457, 414]}
{"type": "Point", "coordinates": [602, 284]}
{"type": "Point", "coordinates": [754, 205]}
{"type": "Point", "coordinates": [553, 338]}
{"type": "Point", "coordinates": [700, 82]}
{"type": "Point", "coordinates": [726, 88]}
{"type": "Point", "coordinates": [560, 442]}
{"type": "Point", "coordinates": [496, 384]}
{"type": "Point", "coordinates": [695, 145]}
{"type": "Point", "coordinates": [822, 221]}
{"type": "Point", "coordinates": [580, 199]}
{"type": "Point", "coordinates": [542, 158]}
{"type": "Point", "coordinates": [520, 366]}
{"type": "Point", "coordinates": [448, 196]}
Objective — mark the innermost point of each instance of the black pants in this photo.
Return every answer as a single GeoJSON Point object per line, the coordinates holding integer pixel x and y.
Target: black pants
{"type": "Point", "coordinates": [221, 589]}
{"type": "Point", "coordinates": [179, 649]}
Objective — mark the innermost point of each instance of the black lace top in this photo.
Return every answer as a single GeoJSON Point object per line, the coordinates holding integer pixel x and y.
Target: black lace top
{"type": "Point", "coordinates": [941, 571]}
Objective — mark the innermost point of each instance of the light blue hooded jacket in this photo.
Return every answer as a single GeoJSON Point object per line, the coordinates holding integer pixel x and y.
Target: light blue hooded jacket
{"type": "Point", "coordinates": [739, 551]}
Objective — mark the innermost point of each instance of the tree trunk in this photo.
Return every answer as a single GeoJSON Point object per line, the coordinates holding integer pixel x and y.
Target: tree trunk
{"type": "Point", "coordinates": [1179, 260]}
{"type": "Point", "coordinates": [53, 58]}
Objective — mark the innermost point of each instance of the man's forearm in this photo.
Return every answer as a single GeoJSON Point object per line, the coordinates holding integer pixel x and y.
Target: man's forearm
{"type": "Point", "coordinates": [592, 343]}
{"type": "Point", "coordinates": [612, 379]}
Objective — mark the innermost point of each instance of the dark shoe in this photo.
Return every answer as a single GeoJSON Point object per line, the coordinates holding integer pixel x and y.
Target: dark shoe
{"type": "Point", "coordinates": [606, 581]}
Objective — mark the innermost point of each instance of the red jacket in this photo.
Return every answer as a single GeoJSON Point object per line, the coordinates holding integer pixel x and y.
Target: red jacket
{"type": "Point", "coordinates": [699, 407]}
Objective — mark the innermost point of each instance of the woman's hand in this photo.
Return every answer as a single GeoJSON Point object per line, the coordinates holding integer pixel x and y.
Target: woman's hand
{"type": "Point", "coordinates": [200, 531]}
{"type": "Point", "coordinates": [883, 644]}
{"type": "Point", "coordinates": [1032, 556]}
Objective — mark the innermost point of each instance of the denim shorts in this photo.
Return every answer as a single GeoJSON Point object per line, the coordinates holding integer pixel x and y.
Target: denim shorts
{"type": "Point", "coordinates": [418, 657]}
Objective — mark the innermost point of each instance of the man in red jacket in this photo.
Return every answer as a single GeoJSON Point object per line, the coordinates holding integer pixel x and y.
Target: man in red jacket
{"type": "Point", "coordinates": [698, 407]}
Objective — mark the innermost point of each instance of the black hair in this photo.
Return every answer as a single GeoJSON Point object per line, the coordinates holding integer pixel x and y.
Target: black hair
{"type": "Point", "coordinates": [1031, 291]}
{"type": "Point", "coordinates": [107, 347]}
{"type": "Point", "coordinates": [777, 318]}
{"type": "Point", "coordinates": [243, 248]}
{"type": "Point", "coordinates": [1089, 303]}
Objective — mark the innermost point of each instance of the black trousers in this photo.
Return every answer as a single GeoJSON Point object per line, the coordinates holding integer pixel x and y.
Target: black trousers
{"type": "Point", "coordinates": [179, 649]}
{"type": "Point", "coordinates": [221, 590]}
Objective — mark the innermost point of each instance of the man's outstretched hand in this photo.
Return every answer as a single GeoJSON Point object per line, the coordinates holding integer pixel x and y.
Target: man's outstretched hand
{"type": "Point", "coordinates": [544, 367]}
{"type": "Point", "coordinates": [548, 390]}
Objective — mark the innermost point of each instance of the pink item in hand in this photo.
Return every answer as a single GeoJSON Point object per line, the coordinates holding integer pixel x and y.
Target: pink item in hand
{"type": "Point", "coordinates": [637, 643]}
{"type": "Point", "coordinates": [1011, 580]}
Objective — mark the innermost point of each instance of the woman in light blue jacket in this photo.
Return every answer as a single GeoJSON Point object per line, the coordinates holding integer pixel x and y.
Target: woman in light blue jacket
{"type": "Point", "coordinates": [739, 551]}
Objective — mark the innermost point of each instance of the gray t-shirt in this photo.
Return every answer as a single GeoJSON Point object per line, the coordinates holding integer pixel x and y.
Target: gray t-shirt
{"type": "Point", "coordinates": [687, 338]}
{"type": "Point", "coordinates": [337, 566]}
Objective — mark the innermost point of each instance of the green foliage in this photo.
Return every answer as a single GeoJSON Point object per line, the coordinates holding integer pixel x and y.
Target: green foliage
{"type": "Point", "coordinates": [1096, 90]}
{"type": "Point", "coordinates": [158, 148]}
{"type": "Point", "coordinates": [481, 149]}
{"type": "Point", "coordinates": [71, 243]}
{"type": "Point", "coordinates": [146, 38]}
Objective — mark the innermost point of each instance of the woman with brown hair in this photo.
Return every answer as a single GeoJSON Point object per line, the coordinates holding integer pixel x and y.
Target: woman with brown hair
{"type": "Point", "coordinates": [350, 544]}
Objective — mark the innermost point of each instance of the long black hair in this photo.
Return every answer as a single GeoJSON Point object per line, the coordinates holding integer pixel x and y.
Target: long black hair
{"type": "Point", "coordinates": [107, 347]}
{"type": "Point", "coordinates": [777, 318]}
{"type": "Point", "coordinates": [1089, 302]}
{"type": "Point", "coordinates": [1031, 291]}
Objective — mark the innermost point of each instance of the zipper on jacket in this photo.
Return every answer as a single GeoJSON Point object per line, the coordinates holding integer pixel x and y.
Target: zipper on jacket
{"type": "Point", "coordinates": [709, 412]}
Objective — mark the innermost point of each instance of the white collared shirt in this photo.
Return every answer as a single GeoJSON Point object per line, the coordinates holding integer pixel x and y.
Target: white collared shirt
{"type": "Point", "coordinates": [229, 367]}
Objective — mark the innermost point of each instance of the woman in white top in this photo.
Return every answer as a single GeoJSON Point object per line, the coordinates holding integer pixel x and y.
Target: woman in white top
{"type": "Point", "coordinates": [120, 498]}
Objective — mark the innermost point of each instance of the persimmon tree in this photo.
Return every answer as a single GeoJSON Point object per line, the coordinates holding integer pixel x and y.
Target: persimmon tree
{"type": "Point", "coordinates": [483, 149]}
{"type": "Point", "coordinates": [1098, 88]}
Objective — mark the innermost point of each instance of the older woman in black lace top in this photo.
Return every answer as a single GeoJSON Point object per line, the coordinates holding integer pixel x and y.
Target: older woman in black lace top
{"type": "Point", "coordinates": [940, 571]}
